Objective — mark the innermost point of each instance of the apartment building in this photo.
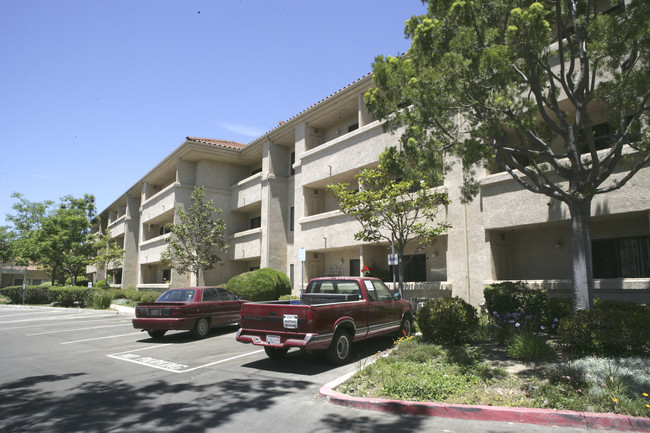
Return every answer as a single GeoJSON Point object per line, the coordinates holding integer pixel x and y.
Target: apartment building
{"type": "Point", "coordinates": [272, 192]}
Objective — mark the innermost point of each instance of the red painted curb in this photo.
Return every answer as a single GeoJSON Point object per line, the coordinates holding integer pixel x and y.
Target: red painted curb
{"type": "Point", "coordinates": [599, 421]}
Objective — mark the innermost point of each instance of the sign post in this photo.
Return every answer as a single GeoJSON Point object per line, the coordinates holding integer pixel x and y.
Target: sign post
{"type": "Point", "coordinates": [302, 256]}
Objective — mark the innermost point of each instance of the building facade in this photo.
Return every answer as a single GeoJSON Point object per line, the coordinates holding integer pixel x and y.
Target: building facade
{"type": "Point", "coordinates": [272, 192]}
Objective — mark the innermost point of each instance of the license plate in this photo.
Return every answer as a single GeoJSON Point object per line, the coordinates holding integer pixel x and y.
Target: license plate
{"type": "Point", "coordinates": [154, 312]}
{"type": "Point", "coordinates": [273, 339]}
{"type": "Point", "coordinates": [290, 321]}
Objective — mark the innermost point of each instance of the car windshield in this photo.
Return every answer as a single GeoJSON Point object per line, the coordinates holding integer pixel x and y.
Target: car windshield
{"type": "Point", "coordinates": [184, 295]}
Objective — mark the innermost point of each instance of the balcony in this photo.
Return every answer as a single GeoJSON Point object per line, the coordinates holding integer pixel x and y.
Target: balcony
{"type": "Point", "coordinates": [151, 250]}
{"type": "Point", "coordinates": [506, 204]}
{"type": "Point", "coordinates": [342, 154]}
{"type": "Point", "coordinates": [328, 230]}
{"type": "Point", "coordinates": [160, 203]}
{"type": "Point", "coordinates": [247, 244]}
{"type": "Point", "coordinates": [246, 193]}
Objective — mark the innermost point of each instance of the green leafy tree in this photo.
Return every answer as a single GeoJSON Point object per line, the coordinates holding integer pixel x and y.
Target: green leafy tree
{"type": "Point", "coordinates": [57, 238]}
{"type": "Point", "coordinates": [7, 244]}
{"type": "Point", "coordinates": [109, 254]}
{"type": "Point", "coordinates": [524, 85]}
{"type": "Point", "coordinates": [401, 212]}
{"type": "Point", "coordinates": [197, 238]}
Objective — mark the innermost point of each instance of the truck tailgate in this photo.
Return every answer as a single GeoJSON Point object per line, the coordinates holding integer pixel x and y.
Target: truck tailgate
{"type": "Point", "coordinates": [274, 317]}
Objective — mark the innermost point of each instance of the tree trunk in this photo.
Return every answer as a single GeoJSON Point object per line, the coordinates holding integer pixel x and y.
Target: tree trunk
{"type": "Point", "coordinates": [582, 274]}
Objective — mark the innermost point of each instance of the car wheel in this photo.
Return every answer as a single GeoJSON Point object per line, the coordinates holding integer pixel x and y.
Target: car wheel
{"type": "Point", "coordinates": [276, 352]}
{"type": "Point", "coordinates": [158, 333]}
{"type": "Point", "coordinates": [406, 328]}
{"type": "Point", "coordinates": [201, 328]}
{"type": "Point", "coordinates": [340, 349]}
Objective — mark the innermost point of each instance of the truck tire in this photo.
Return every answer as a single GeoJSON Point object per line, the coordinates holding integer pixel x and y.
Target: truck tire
{"type": "Point", "coordinates": [340, 348]}
{"type": "Point", "coordinates": [157, 334]}
{"type": "Point", "coordinates": [276, 352]}
{"type": "Point", "coordinates": [406, 328]}
{"type": "Point", "coordinates": [201, 328]}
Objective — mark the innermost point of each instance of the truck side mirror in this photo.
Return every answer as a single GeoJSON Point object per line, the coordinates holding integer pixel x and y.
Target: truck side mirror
{"type": "Point", "coordinates": [397, 296]}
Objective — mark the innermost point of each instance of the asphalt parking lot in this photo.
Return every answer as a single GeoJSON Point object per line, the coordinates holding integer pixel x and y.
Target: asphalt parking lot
{"type": "Point", "coordinates": [67, 370]}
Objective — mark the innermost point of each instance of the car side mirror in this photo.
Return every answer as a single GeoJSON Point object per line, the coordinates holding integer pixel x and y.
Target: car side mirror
{"type": "Point", "coordinates": [397, 296]}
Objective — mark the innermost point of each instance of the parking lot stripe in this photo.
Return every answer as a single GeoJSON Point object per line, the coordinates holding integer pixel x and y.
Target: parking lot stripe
{"type": "Point", "coordinates": [58, 318]}
{"type": "Point", "coordinates": [49, 324]}
{"type": "Point", "coordinates": [172, 367]}
{"type": "Point", "coordinates": [222, 361]}
{"type": "Point", "coordinates": [77, 329]}
{"type": "Point", "coordinates": [99, 338]}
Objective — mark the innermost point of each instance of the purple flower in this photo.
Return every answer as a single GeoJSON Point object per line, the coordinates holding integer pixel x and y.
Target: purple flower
{"type": "Point", "coordinates": [517, 325]}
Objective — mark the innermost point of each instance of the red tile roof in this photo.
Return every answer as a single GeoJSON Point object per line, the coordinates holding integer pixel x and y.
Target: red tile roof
{"type": "Point", "coordinates": [216, 142]}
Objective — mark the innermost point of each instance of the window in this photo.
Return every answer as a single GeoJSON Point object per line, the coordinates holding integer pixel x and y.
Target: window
{"type": "Point", "coordinates": [383, 293]}
{"type": "Point", "coordinates": [291, 218]}
{"type": "Point", "coordinates": [226, 295]}
{"type": "Point", "coordinates": [415, 268]}
{"type": "Point", "coordinates": [355, 267]}
{"type": "Point", "coordinates": [292, 161]}
{"type": "Point", "coordinates": [166, 274]}
{"type": "Point", "coordinates": [210, 295]}
{"type": "Point", "coordinates": [353, 127]}
{"type": "Point", "coordinates": [256, 222]}
{"type": "Point", "coordinates": [621, 257]}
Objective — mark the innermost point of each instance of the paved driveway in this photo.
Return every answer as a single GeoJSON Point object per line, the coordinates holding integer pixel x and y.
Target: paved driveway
{"type": "Point", "coordinates": [69, 370]}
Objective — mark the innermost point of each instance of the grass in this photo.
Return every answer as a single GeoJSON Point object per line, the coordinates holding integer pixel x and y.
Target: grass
{"type": "Point", "coordinates": [417, 371]}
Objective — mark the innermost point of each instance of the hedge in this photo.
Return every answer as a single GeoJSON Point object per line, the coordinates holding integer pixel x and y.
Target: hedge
{"type": "Point", "coordinates": [264, 284]}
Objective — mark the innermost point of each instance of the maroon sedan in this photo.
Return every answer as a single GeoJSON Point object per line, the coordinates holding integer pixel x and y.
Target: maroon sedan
{"type": "Point", "coordinates": [196, 309]}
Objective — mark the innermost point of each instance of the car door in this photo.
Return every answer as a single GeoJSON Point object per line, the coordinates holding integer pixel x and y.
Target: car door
{"type": "Point", "coordinates": [231, 306]}
{"type": "Point", "coordinates": [210, 305]}
{"type": "Point", "coordinates": [383, 311]}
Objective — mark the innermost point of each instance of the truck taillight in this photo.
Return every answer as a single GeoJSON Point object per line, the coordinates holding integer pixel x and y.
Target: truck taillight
{"type": "Point", "coordinates": [311, 317]}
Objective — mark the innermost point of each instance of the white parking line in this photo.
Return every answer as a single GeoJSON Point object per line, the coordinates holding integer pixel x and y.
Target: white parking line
{"type": "Point", "coordinates": [100, 338]}
{"type": "Point", "coordinates": [49, 324]}
{"type": "Point", "coordinates": [47, 319]}
{"type": "Point", "coordinates": [172, 367]}
{"type": "Point", "coordinates": [76, 329]}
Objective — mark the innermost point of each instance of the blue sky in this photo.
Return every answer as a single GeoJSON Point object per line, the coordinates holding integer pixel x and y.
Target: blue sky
{"type": "Point", "coordinates": [94, 93]}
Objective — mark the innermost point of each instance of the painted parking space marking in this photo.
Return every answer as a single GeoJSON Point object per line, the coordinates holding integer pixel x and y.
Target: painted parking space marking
{"type": "Point", "coordinates": [49, 325]}
{"type": "Point", "coordinates": [57, 318]}
{"type": "Point", "coordinates": [169, 366]}
{"type": "Point", "coordinates": [100, 338]}
{"type": "Point", "coordinates": [78, 329]}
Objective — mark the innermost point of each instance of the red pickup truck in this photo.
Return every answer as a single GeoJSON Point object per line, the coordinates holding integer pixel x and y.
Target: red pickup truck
{"type": "Point", "coordinates": [331, 314]}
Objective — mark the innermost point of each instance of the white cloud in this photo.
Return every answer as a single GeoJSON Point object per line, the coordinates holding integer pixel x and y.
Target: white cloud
{"type": "Point", "coordinates": [249, 131]}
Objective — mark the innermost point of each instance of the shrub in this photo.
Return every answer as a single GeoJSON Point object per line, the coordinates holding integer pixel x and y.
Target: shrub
{"type": "Point", "coordinates": [512, 304]}
{"type": "Point", "coordinates": [149, 296]}
{"type": "Point", "coordinates": [289, 297]}
{"type": "Point", "coordinates": [101, 284]}
{"type": "Point", "coordinates": [610, 332]}
{"type": "Point", "coordinates": [527, 346]}
{"type": "Point", "coordinates": [80, 282]}
{"type": "Point", "coordinates": [68, 296]}
{"type": "Point", "coordinates": [100, 299]}
{"type": "Point", "coordinates": [264, 284]}
{"type": "Point", "coordinates": [34, 295]}
{"type": "Point", "coordinates": [447, 320]}
{"type": "Point", "coordinates": [137, 296]}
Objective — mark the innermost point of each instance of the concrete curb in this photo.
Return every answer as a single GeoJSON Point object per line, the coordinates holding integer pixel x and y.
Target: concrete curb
{"type": "Point", "coordinates": [597, 421]}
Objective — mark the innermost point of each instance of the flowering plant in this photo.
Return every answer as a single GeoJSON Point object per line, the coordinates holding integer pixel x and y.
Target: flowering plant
{"type": "Point", "coordinates": [365, 271]}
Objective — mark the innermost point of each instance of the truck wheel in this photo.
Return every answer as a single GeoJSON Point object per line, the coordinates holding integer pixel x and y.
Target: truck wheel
{"type": "Point", "coordinates": [276, 352]}
{"type": "Point", "coordinates": [339, 350]}
{"type": "Point", "coordinates": [158, 333]}
{"type": "Point", "coordinates": [201, 328]}
{"type": "Point", "coordinates": [406, 327]}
